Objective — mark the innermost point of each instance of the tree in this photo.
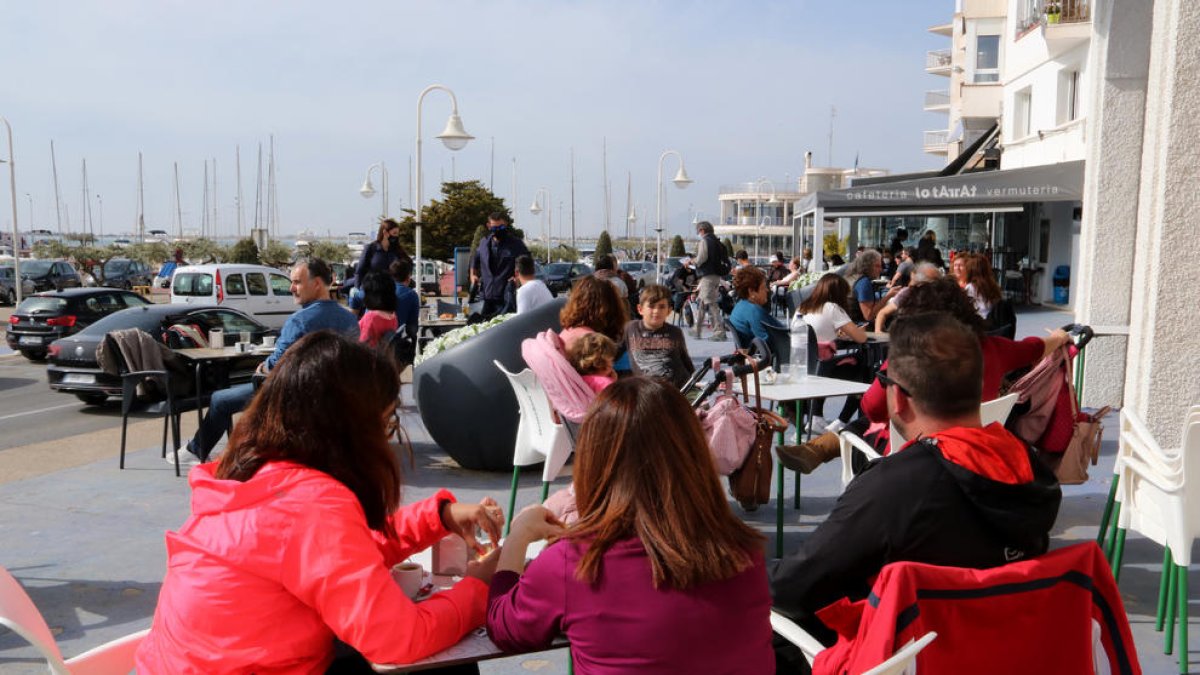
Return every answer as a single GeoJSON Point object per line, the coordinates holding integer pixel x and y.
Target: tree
{"type": "Point", "coordinates": [728, 244]}
{"type": "Point", "coordinates": [603, 246]}
{"type": "Point", "coordinates": [329, 251]}
{"type": "Point", "coordinates": [202, 251]}
{"type": "Point", "coordinates": [275, 254]}
{"type": "Point", "coordinates": [451, 222]}
{"type": "Point", "coordinates": [245, 251]}
{"type": "Point", "coordinates": [151, 253]}
{"type": "Point", "coordinates": [834, 245]}
{"type": "Point", "coordinates": [677, 250]}
{"type": "Point", "coordinates": [480, 233]}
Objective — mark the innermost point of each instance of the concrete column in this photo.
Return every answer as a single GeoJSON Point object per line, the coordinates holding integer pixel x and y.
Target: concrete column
{"type": "Point", "coordinates": [1118, 63]}
{"type": "Point", "coordinates": [1161, 380]}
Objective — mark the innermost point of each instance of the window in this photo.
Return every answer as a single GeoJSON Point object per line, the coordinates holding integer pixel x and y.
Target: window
{"type": "Point", "coordinates": [233, 322]}
{"type": "Point", "coordinates": [987, 59]}
{"type": "Point", "coordinates": [133, 300]}
{"type": "Point", "coordinates": [234, 285]}
{"type": "Point", "coordinates": [1068, 96]}
{"type": "Point", "coordinates": [1022, 124]}
{"type": "Point", "coordinates": [108, 303]}
{"type": "Point", "coordinates": [281, 285]}
{"type": "Point", "coordinates": [257, 283]}
{"type": "Point", "coordinates": [193, 284]}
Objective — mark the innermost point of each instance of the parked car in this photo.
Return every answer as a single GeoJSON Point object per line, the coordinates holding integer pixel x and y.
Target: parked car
{"type": "Point", "coordinates": [260, 291]}
{"type": "Point", "coordinates": [73, 368]}
{"type": "Point", "coordinates": [126, 273]}
{"type": "Point", "coordinates": [669, 266]}
{"type": "Point", "coordinates": [561, 276]}
{"type": "Point", "coordinates": [50, 275]}
{"type": "Point", "coordinates": [642, 271]}
{"type": "Point", "coordinates": [8, 286]}
{"type": "Point", "coordinates": [45, 317]}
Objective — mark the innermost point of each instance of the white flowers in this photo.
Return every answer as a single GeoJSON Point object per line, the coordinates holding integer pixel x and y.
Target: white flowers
{"type": "Point", "coordinates": [803, 280]}
{"type": "Point", "coordinates": [456, 337]}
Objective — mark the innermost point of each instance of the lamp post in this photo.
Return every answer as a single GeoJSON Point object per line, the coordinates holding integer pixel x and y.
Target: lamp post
{"type": "Point", "coordinates": [367, 190]}
{"type": "Point", "coordinates": [12, 186]}
{"type": "Point", "coordinates": [758, 208]}
{"type": "Point", "coordinates": [681, 181]}
{"type": "Point", "coordinates": [536, 209]}
{"type": "Point", "coordinates": [632, 218]}
{"type": "Point", "coordinates": [454, 137]}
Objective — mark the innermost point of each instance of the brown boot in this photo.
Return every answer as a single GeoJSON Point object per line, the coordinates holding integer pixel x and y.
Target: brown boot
{"type": "Point", "coordinates": [808, 456]}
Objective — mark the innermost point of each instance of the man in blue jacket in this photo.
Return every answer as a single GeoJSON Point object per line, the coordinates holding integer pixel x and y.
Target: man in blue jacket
{"type": "Point", "coordinates": [310, 289]}
{"type": "Point", "coordinates": [495, 262]}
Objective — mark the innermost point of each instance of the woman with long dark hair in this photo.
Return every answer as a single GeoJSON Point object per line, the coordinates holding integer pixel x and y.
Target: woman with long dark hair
{"type": "Point", "coordinates": [980, 282]}
{"type": "Point", "coordinates": [378, 255]}
{"type": "Point", "coordinates": [827, 312]}
{"type": "Point", "coordinates": [293, 534]}
{"type": "Point", "coordinates": [657, 575]}
{"type": "Point", "coordinates": [594, 306]}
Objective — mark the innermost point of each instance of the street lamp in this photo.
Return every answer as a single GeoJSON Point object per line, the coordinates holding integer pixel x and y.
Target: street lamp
{"type": "Point", "coordinates": [536, 209]}
{"type": "Point", "coordinates": [758, 208]}
{"type": "Point", "coordinates": [681, 181]}
{"type": "Point", "coordinates": [762, 222]}
{"type": "Point", "coordinates": [454, 137]}
{"type": "Point", "coordinates": [367, 190]}
{"type": "Point", "coordinates": [632, 218]}
{"type": "Point", "coordinates": [12, 186]}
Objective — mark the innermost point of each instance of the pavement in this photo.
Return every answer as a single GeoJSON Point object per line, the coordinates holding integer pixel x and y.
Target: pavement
{"type": "Point", "coordinates": [86, 539]}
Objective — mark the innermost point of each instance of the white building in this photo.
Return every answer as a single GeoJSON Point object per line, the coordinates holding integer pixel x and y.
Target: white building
{"type": "Point", "coordinates": [972, 65]}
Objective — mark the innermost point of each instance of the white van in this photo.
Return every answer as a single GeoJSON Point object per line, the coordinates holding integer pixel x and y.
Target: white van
{"type": "Point", "coordinates": [260, 291]}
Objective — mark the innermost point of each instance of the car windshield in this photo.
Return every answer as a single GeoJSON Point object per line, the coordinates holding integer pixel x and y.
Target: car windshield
{"type": "Point", "coordinates": [558, 268]}
{"type": "Point", "coordinates": [136, 317]}
{"type": "Point", "coordinates": [35, 268]}
{"type": "Point", "coordinates": [192, 283]}
{"type": "Point", "coordinates": [42, 305]}
{"type": "Point", "coordinates": [116, 266]}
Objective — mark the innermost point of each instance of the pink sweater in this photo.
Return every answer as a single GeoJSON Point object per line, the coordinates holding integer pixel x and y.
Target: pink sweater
{"type": "Point", "coordinates": [622, 624]}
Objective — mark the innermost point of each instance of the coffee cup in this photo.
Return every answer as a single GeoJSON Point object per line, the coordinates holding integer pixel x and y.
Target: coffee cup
{"type": "Point", "coordinates": [216, 338]}
{"type": "Point", "coordinates": [409, 576]}
{"type": "Point", "coordinates": [269, 341]}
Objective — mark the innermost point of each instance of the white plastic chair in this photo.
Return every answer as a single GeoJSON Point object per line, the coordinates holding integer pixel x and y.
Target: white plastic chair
{"type": "Point", "coordinates": [18, 613]}
{"type": "Point", "coordinates": [903, 661]}
{"type": "Point", "coordinates": [539, 437]}
{"type": "Point", "coordinates": [1164, 506]}
{"type": "Point", "coordinates": [996, 410]}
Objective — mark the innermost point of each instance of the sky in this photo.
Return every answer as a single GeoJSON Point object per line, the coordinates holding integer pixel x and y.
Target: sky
{"type": "Point", "coordinates": [741, 89]}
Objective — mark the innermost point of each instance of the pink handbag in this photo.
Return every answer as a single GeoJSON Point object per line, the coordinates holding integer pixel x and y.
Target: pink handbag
{"type": "Point", "coordinates": [730, 428]}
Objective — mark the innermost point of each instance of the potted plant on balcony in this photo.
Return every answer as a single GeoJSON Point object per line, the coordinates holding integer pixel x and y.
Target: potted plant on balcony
{"type": "Point", "coordinates": [1053, 12]}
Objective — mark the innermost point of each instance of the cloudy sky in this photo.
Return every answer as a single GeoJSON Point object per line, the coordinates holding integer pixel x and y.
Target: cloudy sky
{"type": "Point", "coordinates": [742, 89]}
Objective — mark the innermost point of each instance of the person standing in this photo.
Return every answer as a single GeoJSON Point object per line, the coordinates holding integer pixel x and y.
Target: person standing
{"type": "Point", "coordinates": [495, 262]}
{"type": "Point", "coordinates": [379, 255]}
{"type": "Point", "coordinates": [531, 291]}
{"type": "Point", "coordinates": [712, 264]}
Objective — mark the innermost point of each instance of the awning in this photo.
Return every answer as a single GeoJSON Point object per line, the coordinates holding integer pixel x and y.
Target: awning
{"type": "Point", "coordinates": [978, 191]}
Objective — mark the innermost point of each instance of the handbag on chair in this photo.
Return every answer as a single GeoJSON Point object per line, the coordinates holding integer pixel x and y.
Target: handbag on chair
{"type": "Point", "coordinates": [750, 483]}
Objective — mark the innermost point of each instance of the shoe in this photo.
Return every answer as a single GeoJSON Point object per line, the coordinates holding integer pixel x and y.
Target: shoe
{"type": "Point", "coordinates": [186, 458]}
{"type": "Point", "coordinates": [817, 426]}
{"type": "Point", "coordinates": [835, 426]}
{"type": "Point", "coordinates": [748, 507]}
{"type": "Point", "coordinates": [806, 457]}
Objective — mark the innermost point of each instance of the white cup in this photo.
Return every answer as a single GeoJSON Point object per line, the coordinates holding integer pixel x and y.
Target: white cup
{"type": "Point", "coordinates": [785, 372]}
{"type": "Point", "coordinates": [216, 338]}
{"type": "Point", "coordinates": [245, 336]}
{"type": "Point", "coordinates": [268, 340]}
{"type": "Point", "coordinates": [408, 575]}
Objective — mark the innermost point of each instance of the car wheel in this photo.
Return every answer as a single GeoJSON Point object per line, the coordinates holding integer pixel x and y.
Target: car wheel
{"type": "Point", "coordinates": [92, 399]}
{"type": "Point", "coordinates": [33, 355]}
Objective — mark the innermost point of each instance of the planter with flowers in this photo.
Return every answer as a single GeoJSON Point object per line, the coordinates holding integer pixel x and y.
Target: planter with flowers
{"type": "Point", "coordinates": [1053, 12]}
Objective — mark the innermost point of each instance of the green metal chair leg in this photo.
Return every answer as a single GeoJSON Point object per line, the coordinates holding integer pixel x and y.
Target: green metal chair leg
{"type": "Point", "coordinates": [1118, 555]}
{"type": "Point", "coordinates": [1172, 605]}
{"type": "Point", "coordinates": [570, 662]}
{"type": "Point", "coordinates": [779, 511]}
{"type": "Point", "coordinates": [1161, 613]}
{"type": "Point", "coordinates": [545, 489]}
{"type": "Point", "coordinates": [512, 499]}
{"type": "Point", "coordinates": [1105, 520]}
{"type": "Point", "coordinates": [1182, 591]}
{"type": "Point", "coordinates": [1112, 533]}
{"type": "Point", "coordinates": [796, 488]}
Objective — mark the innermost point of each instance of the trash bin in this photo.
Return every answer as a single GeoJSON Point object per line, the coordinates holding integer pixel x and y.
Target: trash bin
{"type": "Point", "coordinates": [1062, 284]}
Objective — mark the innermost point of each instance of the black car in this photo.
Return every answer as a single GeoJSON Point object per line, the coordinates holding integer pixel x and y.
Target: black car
{"type": "Point", "coordinates": [73, 367]}
{"type": "Point", "coordinates": [126, 273]}
{"type": "Point", "coordinates": [50, 275]}
{"type": "Point", "coordinates": [561, 276]}
{"type": "Point", "coordinates": [45, 317]}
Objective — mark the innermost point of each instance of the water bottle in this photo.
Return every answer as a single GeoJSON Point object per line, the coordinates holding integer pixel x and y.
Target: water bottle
{"type": "Point", "coordinates": [799, 361]}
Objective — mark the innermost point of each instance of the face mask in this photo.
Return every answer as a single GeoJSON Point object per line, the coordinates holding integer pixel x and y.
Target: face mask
{"type": "Point", "coordinates": [394, 240]}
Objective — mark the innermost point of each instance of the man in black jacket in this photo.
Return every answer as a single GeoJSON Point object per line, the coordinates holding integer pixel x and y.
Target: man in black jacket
{"type": "Point", "coordinates": [958, 494]}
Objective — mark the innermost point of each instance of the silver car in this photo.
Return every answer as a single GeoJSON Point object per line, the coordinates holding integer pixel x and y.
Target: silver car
{"type": "Point", "coordinates": [641, 271]}
{"type": "Point", "coordinates": [8, 289]}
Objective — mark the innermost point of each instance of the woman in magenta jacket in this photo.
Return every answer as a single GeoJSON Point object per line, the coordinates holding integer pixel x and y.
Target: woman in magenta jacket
{"type": "Point", "coordinates": [293, 533]}
{"type": "Point", "coordinates": [657, 575]}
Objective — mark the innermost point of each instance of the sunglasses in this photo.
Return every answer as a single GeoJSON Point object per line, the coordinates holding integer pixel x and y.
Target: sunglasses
{"type": "Point", "coordinates": [889, 382]}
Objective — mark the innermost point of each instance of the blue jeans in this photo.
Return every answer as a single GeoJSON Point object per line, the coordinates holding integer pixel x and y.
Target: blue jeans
{"type": "Point", "coordinates": [219, 420]}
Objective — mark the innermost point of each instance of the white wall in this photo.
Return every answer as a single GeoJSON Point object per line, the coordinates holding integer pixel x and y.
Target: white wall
{"type": "Point", "coordinates": [1060, 140]}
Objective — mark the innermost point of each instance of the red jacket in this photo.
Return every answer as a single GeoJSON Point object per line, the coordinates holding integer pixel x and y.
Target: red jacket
{"type": "Point", "coordinates": [1030, 616]}
{"type": "Point", "coordinates": [268, 571]}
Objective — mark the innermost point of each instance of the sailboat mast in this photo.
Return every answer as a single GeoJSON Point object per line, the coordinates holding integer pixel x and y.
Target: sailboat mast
{"type": "Point", "coordinates": [214, 199]}
{"type": "Point", "coordinates": [204, 206]}
{"type": "Point", "coordinates": [178, 205]}
{"type": "Point", "coordinates": [57, 200]}
{"type": "Point", "coordinates": [140, 226]}
{"type": "Point", "coordinates": [573, 200]}
{"type": "Point", "coordinates": [607, 195]}
{"type": "Point", "coordinates": [89, 224]}
{"type": "Point", "coordinates": [258, 193]}
{"type": "Point", "coordinates": [272, 204]}
{"type": "Point", "coordinates": [628, 201]}
{"type": "Point", "coordinates": [237, 150]}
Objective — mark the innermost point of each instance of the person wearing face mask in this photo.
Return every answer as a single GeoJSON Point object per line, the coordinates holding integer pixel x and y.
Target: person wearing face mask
{"type": "Point", "coordinates": [379, 255]}
{"type": "Point", "coordinates": [495, 261]}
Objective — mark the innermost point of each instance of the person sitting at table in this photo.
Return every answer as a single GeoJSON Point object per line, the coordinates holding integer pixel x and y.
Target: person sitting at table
{"type": "Point", "coordinates": [748, 315]}
{"type": "Point", "coordinates": [379, 299]}
{"type": "Point", "coordinates": [827, 312]}
{"type": "Point", "coordinates": [531, 291]}
{"type": "Point", "coordinates": [921, 273]}
{"type": "Point", "coordinates": [294, 532]}
{"type": "Point", "coordinates": [958, 494]}
{"type": "Point", "coordinates": [310, 290]}
{"type": "Point", "coordinates": [981, 284]}
{"type": "Point", "coordinates": [683, 283]}
{"type": "Point", "coordinates": [867, 267]}
{"type": "Point", "coordinates": [658, 575]}
{"type": "Point", "coordinates": [408, 303]}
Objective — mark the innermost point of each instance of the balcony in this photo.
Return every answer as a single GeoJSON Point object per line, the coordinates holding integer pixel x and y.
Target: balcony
{"type": "Point", "coordinates": [935, 141]}
{"type": "Point", "coordinates": [946, 29]}
{"type": "Point", "coordinates": [938, 61]}
{"type": "Point", "coordinates": [1032, 13]}
{"type": "Point", "coordinates": [937, 100]}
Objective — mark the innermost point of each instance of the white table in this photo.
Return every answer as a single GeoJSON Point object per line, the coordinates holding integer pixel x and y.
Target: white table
{"type": "Point", "coordinates": [807, 388]}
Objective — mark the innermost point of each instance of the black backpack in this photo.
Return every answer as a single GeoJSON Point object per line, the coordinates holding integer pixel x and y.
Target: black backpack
{"type": "Point", "coordinates": [722, 266]}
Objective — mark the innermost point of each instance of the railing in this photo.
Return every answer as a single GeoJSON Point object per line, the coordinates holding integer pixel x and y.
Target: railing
{"type": "Point", "coordinates": [1033, 12]}
{"type": "Point", "coordinates": [762, 188]}
{"type": "Point", "coordinates": [934, 139]}
{"type": "Point", "coordinates": [938, 98]}
{"type": "Point", "coordinates": [938, 58]}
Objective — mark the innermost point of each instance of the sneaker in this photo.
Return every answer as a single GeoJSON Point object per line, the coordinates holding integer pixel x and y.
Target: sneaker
{"type": "Point", "coordinates": [186, 458]}
{"type": "Point", "coordinates": [818, 425]}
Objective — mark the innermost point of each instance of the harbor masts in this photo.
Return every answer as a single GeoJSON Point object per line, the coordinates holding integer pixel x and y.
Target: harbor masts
{"type": "Point", "coordinates": [57, 197]}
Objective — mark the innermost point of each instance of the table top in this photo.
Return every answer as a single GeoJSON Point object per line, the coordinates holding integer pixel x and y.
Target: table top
{"type": "Point", "coordinates": [878, 337]}
{"type": "Point", "coordinates": [811, 386]}
{"type": "Point", "coordinates": [218, 353]}
{"type": "Point", "coordinates": [442, 323]}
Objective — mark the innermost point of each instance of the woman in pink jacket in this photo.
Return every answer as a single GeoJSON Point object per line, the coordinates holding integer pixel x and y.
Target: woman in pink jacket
{"type": "Point", "coordinates": [293, 534]}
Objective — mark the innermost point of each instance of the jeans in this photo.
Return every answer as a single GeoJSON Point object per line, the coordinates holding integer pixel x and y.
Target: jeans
{"type": "Point", "coordinates": [224, 405]}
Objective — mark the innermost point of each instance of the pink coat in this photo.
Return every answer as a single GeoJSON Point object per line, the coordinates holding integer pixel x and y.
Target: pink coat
{"type": "Point", "coordinates": [268, 571]}
{"type": "Point", "coordinates": [564, 387]}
